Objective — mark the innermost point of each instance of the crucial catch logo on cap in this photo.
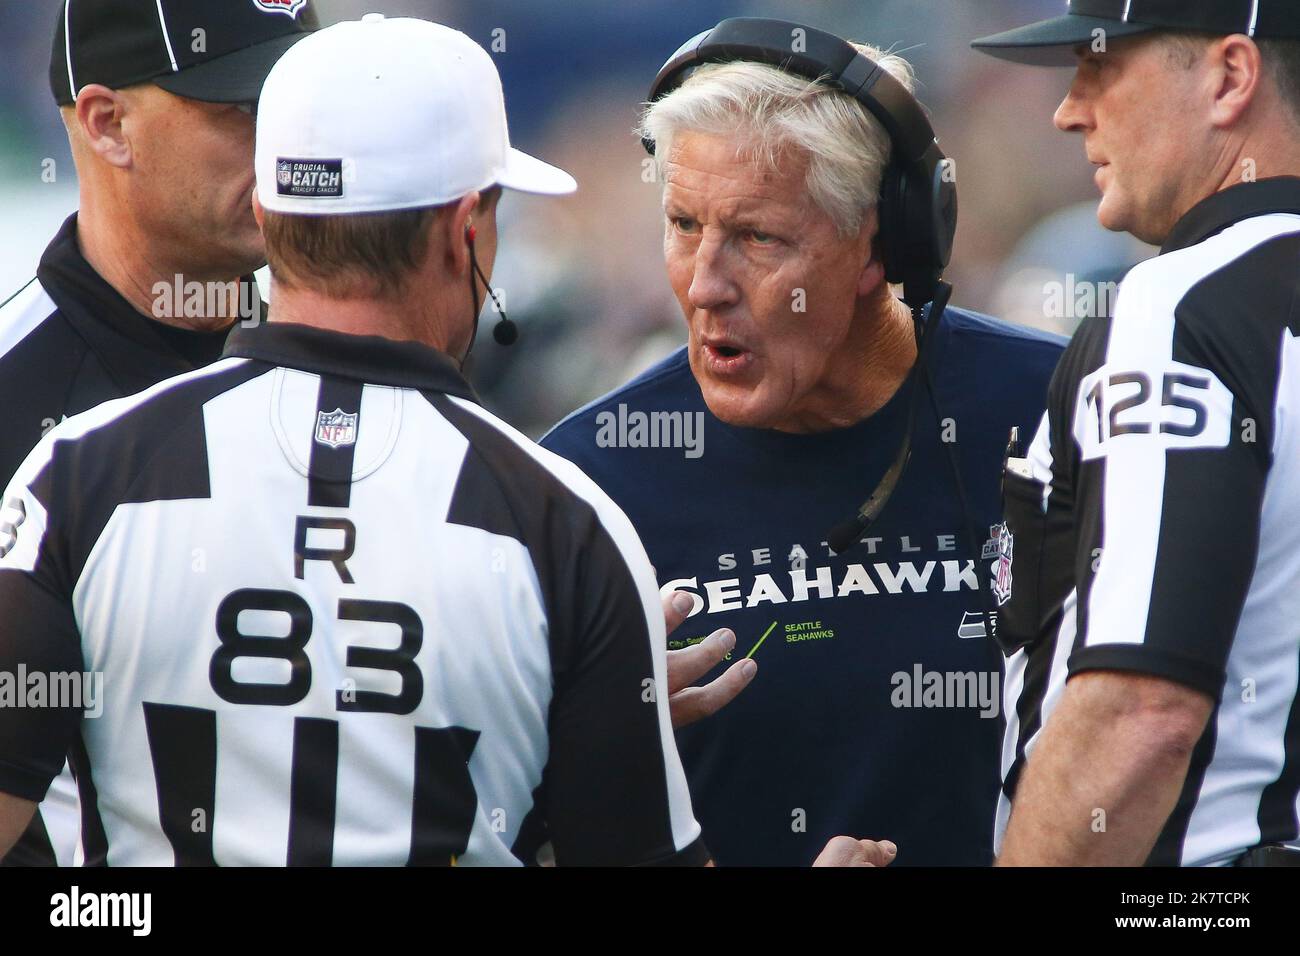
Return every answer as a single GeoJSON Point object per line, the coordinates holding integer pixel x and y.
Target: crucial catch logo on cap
{"type": "Point", "coordinates": [290, 8]}
{"type": "Point", "coordinates": [309, 178]}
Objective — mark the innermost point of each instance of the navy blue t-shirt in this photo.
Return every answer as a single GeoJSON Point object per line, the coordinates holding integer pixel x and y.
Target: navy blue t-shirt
{"type": "Point", "coordinates": [876, 708]}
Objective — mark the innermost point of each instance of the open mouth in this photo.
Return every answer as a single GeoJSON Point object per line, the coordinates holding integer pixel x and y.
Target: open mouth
{"type": "Point", "coordinates": [723, 357]}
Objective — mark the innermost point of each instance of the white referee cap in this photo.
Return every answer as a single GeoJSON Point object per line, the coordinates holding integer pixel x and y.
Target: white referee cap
{"type": "Point", "coordinates": [380, 114]}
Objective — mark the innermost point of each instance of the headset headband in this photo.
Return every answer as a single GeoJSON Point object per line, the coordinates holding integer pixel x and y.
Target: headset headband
{"type": "Point", "coordinates": [819, 56]}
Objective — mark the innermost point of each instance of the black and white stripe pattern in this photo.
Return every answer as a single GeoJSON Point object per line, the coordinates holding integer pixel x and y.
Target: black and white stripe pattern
{"type": "Point", "coordinates": [392, 647]}
{"type": "Point", "coordinates": [1166, 498]}
{"type": "Point", "coordinates": [57, 829]}
{"type": "Point", "coordinates": [22, 313]}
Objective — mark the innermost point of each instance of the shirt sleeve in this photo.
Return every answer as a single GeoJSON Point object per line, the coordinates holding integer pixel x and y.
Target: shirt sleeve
{"type": "Point", "coordinates": [1169, 488]}
{"type": "Point", "coordinates": [616, 793]}
{"type": "Point", "coordinates": [40, 649]}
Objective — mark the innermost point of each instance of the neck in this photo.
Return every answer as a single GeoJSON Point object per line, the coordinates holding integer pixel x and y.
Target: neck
{"type": "Point", "coordinates": [866, 374]}
{"type": "Point", "coordinates": [135, 265]}
{"type": "Point", "coordinates": [1255, 161]}
{"type": "Point", "coordinates": [1259, 154]}
{"type": "Point", "coordinates": [405, 317]}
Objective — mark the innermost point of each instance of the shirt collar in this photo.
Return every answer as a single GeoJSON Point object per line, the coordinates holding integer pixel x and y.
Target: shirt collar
{"type": "Point", "coordinates": [365, 358]}
{"type": "Point", "coordinates": [133, 348]}
{"type": "Point", "coordinates": [1243, 201]}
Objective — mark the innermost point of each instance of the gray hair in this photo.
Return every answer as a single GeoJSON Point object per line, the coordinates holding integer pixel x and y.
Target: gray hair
{"type": "Point", "coordinates": [847, 147]}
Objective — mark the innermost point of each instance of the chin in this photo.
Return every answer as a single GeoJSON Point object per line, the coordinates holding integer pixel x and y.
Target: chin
{"type": "Point", "coordinates": [1129, 222]}
{"type": "Point", "coordinates": [734, 410]}
{"type": "Point", "coordinates": [1110, 216]}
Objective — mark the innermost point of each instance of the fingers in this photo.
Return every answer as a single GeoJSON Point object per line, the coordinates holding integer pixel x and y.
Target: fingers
{"type": "Point", "coordinates": [846, 851]}
{"type": "Point", "coordinates": [677, 604]}
{"type": "Point", "coordinates": [877, 852]}
{"type": "Point", "coordinates": [689, 664]}
{"type": "Point", "coordinates": [696, 703]}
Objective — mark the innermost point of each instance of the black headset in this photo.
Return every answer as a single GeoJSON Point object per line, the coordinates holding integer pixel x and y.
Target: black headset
{"type": "Point", "coordinates": [918, 194]}
{"type": "Point", "coordinates": [917, 208]}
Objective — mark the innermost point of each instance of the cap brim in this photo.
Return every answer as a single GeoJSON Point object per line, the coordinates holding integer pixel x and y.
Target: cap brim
{"type": "Point", "coordinates": [1052, 42]}
{"type": "Point", "coordinates": [234, 78]}
{"type": "Point", "coordinates": [528, 174]}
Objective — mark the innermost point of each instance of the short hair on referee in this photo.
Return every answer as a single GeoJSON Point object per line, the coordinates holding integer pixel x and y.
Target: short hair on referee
{"type": "Point", "coordinates": [847, 148]}
{"type": "Point", "coordinates": [363, 255]}
{"type": "Point", "coordinates": [1281, 57]}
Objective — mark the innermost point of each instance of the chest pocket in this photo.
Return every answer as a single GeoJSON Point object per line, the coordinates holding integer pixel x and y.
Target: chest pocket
{"type": "Point", "coordinates": [1032, 574]}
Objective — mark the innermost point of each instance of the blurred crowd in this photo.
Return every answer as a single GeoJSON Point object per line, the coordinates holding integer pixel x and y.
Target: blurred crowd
{"type": "Point", "coordinates": [584, 276]}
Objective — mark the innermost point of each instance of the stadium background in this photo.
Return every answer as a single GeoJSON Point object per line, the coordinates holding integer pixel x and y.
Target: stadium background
{"type": "Point", "coordinates": [584, 275]}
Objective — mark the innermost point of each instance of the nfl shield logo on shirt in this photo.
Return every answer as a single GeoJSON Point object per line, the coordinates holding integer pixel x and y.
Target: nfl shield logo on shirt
{"type": "Point", "coordinates": [336, 428]}
{"type": "Point", "coordinates": [289, 8]}
{"type": "Point", "coordinates": [1002, 578]}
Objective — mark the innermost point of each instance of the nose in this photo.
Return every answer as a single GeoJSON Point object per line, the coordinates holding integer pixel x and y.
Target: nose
{"type": "Point", "coordinates": [711, 286]}
{"type": "Point", "coordinates": [1072, 115]}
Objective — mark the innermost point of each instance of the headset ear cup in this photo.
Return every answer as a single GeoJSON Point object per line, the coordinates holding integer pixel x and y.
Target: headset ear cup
{"type": "Point", "coordinates": [891, 230]}
{"type": "Point", "coordinates": [942, 206]}
{"type": "Point", "coordinates": [926, 217]}
{"type": "Point", "coordinates": [923, 265]}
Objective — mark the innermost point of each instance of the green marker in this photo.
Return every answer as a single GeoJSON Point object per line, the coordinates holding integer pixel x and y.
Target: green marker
{"type": "Point", "coordinates": [760, 640]}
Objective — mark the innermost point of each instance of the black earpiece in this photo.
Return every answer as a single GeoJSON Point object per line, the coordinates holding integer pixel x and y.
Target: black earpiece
{"type": "Point", "coordinates": [505, 332]}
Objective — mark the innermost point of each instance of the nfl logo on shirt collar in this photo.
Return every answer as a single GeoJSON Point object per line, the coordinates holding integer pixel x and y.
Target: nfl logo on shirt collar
{"type": "Point", "coordinates": [336, 428]}
{"type": "Point", "coordinates": [290, 8]}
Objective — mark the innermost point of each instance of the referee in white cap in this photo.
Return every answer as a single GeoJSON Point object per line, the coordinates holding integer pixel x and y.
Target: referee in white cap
{"type": "Point", "coordinates": [342, 614]}
{"type": "Point", "coordinates": [1151, 555]}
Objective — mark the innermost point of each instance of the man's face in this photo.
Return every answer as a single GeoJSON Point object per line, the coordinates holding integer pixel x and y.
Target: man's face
{"type": "Point", "coordinates": [192, 180]}
{"type": "Point", "coordinates": [767, 285]}
{"type": "Point", "coordinates": [1140, 116]}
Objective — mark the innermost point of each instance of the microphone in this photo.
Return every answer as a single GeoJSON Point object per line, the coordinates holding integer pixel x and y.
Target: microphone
{"type": "Point", "coordinates": [505, 332]}
{"type": "Point", "coordinates": [846, 534]}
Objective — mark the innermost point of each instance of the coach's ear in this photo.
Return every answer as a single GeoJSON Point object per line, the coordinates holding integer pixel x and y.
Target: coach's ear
{"type": "Point", "coordinates": [258, 212]}
{"type": "Point", "coordinates": [869, 252]}
{"type": "Point", "coordinates": [457, 236]}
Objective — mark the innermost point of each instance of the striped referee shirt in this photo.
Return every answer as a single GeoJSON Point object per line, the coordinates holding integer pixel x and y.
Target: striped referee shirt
{"type": "Point", "coordinates": [69, 341]}
{"type": "Point", "coordinates": [342, 615]}
{"type": "Point", "coordinates": [1155, 523]}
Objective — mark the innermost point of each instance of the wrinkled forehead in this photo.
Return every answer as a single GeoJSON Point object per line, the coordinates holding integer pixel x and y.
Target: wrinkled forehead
{"type": "Point", "coordinates": [732, 168]}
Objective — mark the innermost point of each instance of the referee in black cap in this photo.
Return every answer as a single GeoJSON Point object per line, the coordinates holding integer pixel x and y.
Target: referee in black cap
{"type": "Point", "coordinates": [146, 279]}
{"type": "Point", "coordinates": [1149, 570]}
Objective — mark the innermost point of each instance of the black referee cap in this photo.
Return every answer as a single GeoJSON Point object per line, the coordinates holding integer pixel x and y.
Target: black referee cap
{"type": "Point", "coordinates": [214, 50]}
{"type": "Point", "coordinates": [1052, 42]}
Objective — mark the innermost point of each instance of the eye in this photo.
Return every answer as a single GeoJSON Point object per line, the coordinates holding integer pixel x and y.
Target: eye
{"type": "Point", "coordinates": [760, 238]}
{"type": "Point", "coordinates": [684, 224]}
